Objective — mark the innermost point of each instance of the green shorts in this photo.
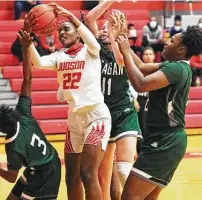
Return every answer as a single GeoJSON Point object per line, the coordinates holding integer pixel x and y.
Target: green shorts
{"type": "Point", "coordinates": [160, 156]}
{"type": "Point", "coordinates": [39, 184]}
{"type": "Point", "coordinates": [125, 124]}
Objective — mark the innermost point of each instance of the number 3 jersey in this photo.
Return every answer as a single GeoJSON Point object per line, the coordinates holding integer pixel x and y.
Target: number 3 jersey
{"type": "Point", "coordinates": [28, 147]}
{"type": "Point", "coordinates": [79, 76]}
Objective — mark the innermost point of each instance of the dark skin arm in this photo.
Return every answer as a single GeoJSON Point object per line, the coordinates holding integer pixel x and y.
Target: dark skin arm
{"type": "Point", "coordinates": [145, 68]}
{"type": "Point", "coordinates": [9, 175]}
{"type": "Point", "coordinates": [25, 39]}
{"type": "Point", "coordinates": [140, 82]}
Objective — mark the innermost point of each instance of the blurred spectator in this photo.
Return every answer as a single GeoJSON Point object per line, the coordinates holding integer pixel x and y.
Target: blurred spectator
{"type": "Point", "coordinates": [177, 28]}
{"type": "Point", "coordinates": [24, 6]}
{"type": "Point", "coordinates": [49, 43]}
{"type": "Point", "coordinates": [196, 64]}
{"type": "Point", "coordinates": [132, 33]}
{"type": "Point", "coordinates": [200, 23]}
{"type": "Point", "coordinates": [153, 35]}
{"type": "Point", "coordinates": [132, 37]}
{"type": "Point", "coordinates": [16, 47]}
{"type": "Point", "coordinates": [148, 56]}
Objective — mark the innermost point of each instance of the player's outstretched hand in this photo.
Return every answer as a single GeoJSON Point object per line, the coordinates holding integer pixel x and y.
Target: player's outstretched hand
{"type": "Point", "coordinates": [30, 20]}
{"type": "Point", "coordinates": [59, 10]}
{"type": "Point", "coordinates": [123, 43]}
{"type": "Point", "coordinates": [25, 38]}
{"type": "Point", "coordinates": [117, 23]}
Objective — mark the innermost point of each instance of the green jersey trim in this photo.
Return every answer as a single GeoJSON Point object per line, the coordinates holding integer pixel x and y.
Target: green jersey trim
{"type": "Point", "coordinates": [13, 137]}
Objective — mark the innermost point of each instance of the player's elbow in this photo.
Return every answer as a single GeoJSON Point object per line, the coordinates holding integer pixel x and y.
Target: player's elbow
{"type": "Point", "coordinates": [140, 89]}
{"type": "Point", "coordinates": [95, 49]}
{"type": "Point", "coordinates": [89, 18]}
{"type": "Point", "coordinates": [37, 65]}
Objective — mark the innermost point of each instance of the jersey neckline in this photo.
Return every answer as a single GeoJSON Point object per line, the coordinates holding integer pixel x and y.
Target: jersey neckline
{"type": "Point", "coordinates": [13, 137]}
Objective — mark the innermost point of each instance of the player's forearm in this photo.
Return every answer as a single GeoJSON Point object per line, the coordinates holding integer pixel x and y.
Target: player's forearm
{"type": "Point", "coordinates": [27, 74]}
{"type": "Point", "coordinates": [89, 39]}
{"type": "Point", "coordinates": [145, 68]}
{"type": "Point", "coordinates": [36, 58]}
{"type": "Point", "coordinates": [75, 21]}
{"type": "Point", "coordinates": [117, 54]}
{"type": "Point", "coordinates": [98, 11]}
{"type": "Point", "coordinates": [138, 62]}
{"type": "Point", "coordinates": [38, 61]}
{"type": "Point", "coordinates": [94, 14]}
{"type": "Point", "coordinates": [135, 76]}
{"type": "Point", "coordinates": [5, 174]}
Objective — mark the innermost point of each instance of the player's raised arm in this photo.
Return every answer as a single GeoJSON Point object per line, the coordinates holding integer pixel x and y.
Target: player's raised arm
{"type": "Point", "coordinates": [88, 38]}
{"type": "Point", "coordinates": [145, 68]}
{"type": "Point", "coordinates": [42, 62]}
{"type": "Point", "coordinates": [118, 27]}
{"type": "Point", "coordinates": [26, 41]}
{"type": "Point", "coordinates": [94, 14]}
{"type": "Point", "coordinates": [151, 82]}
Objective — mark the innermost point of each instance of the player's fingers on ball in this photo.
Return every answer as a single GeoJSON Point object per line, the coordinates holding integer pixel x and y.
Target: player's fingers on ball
{"type": "Point", "coordinates": [31, 17]}
{"type": "Point", "coordinates": [20, 32]}
{"type": "Point", "coordinates": [27, 35]}
{"type": "Point", "coordinates": [19, 36]}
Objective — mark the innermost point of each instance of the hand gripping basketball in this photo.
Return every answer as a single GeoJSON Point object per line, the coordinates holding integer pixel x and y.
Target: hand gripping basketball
{"type": "Point", "coordinates": [43, 19]}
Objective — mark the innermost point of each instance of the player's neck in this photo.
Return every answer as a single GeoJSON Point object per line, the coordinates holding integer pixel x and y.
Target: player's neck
{"type": "Point", "coordinates": [109, 46]}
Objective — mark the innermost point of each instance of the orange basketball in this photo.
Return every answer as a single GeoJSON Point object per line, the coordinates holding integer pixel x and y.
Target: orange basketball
{"type": "Point", "coordinates": [46, 20]}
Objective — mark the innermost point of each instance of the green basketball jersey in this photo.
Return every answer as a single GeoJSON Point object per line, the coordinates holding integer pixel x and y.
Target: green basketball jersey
{"type": "Point", "coordinates": [30, 147]}
{"type": "Point", "coordinates": [114, 82]}
{"type": "Point", "coordinates": [166, 106]}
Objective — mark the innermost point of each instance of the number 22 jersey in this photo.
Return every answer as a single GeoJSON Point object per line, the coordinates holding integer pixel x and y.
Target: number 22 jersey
{"type": "Point", "coordinates": [79, 76]}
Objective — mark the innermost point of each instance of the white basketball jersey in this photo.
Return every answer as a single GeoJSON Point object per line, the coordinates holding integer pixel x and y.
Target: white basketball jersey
{"type": "Point", "coordinates": [79, 76]}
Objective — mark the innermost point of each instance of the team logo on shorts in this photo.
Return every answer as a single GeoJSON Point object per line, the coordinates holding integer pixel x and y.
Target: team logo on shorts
{"type": "Point", "coordinates": [96, 134]}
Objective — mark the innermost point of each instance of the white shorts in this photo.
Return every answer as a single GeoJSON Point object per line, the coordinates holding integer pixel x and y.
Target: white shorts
{"type": "Point", "coordinates": [88, 127]}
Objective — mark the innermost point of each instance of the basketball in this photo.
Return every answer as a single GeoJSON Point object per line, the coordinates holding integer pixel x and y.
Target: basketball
{"type": "Point", "coordinates": [46, 20]}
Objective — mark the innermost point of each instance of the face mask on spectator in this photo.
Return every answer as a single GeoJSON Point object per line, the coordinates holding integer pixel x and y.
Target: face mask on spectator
{"type": "Point", "coordinates": [200, 25]}
{"type": "Point", "coordinates": [132, 33]}
{"type": "Point", "coordinates": [153, 24]}
{"type": "Point", "coordinates": [177, 28]}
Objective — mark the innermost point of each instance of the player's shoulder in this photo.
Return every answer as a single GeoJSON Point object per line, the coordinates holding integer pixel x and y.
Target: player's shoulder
{"type": "Point", "coordinates": [59, 52]}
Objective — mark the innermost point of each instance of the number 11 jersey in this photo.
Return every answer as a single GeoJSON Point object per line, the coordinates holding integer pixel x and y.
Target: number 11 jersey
{"type": "Point", "coordinates": [28, 147]}
{"type": "Point", "coordinates": [115, 84]}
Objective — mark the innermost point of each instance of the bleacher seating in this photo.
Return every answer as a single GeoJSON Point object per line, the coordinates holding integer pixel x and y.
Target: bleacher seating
{"type": "Point", "coordinates": [50, 113]}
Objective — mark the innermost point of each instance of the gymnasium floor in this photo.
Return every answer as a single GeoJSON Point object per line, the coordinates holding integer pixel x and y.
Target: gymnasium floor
{"type": "Point", "coordinates": [186, 184]}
